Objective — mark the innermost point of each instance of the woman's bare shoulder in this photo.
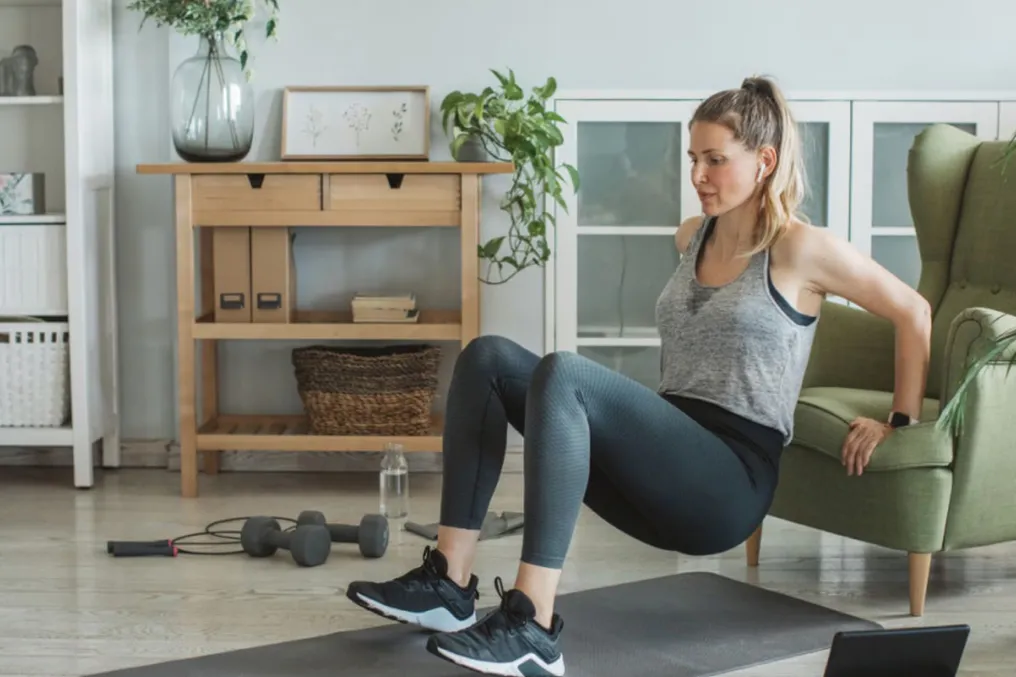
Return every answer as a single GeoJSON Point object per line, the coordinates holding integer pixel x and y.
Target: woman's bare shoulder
{"type": "Point", "coordinates": [686, 231]}
{"type": "Point", "coordinates": [799, 240]}
{"type": "Point", "coordinates": [804, 250]}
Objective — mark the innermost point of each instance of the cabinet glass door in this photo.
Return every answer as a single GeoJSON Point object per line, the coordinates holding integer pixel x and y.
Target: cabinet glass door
{"type": "Point", "coordinates": [615, 245]}
{"type": "Point", "coordinates": [883, 133]}
{"type": "Point", "coordinates": [824, 128]}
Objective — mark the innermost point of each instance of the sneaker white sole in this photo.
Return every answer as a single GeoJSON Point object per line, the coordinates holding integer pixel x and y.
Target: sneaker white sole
{"type": "Point", "coordinates": [512, 669]}
{"type": "Point", "coordinates": [439, 619]}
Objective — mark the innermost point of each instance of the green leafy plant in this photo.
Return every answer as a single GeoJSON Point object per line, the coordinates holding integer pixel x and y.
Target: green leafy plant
{"type": "Point", "coordinates": [952, 415]}
{"type": "Point", "coordinates": [210, 19]}
{"type": "Point", "coordinates": [1009, 152]}
{"type": "Point", "coordinates": [512, 127]}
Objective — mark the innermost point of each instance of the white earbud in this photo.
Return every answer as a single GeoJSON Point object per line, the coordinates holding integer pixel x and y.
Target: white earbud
{"type": "Point", "coordinates": [761, 169]}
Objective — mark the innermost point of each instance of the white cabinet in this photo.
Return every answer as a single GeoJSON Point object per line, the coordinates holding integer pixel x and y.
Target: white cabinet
{"type": "Point", "coordinates": [882, 134]}
{"type": "Point", "coordinates": [614, 250]}
{"type": "Point", "coordinates": [65, 271]}
{"type": "Point", "coordinates": [824, 127]}
{"type": "Point", "coordinates": [615, 245]}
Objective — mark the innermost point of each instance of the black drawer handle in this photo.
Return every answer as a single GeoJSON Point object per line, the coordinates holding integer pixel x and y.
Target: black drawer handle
{"type": "Point", "coordinates": [231, 301]}
{"type": "Point", "coordinates": [269, 301]}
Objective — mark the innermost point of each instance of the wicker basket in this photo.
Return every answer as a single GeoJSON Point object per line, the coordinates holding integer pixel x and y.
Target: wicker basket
{"type": "Point", "coordinates": [368, 391]}
{"type": "Point", "coordinates": [34, 373]}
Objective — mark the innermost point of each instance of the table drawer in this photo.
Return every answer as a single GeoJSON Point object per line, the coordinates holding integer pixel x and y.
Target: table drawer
{"type": "Point", "coordinates": [419, 198]}
{"type": "Point", "coordinates": [261, 192]}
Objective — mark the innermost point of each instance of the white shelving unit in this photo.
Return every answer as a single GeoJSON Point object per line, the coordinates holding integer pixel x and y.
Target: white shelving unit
{"type": "Point", "coordinates": [613, 250]}
{"type": "Point", "coordinates": [68, 136]}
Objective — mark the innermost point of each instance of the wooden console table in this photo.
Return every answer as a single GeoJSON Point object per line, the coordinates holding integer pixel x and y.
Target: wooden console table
{"type": "Point", "coordinates": [220, 199]}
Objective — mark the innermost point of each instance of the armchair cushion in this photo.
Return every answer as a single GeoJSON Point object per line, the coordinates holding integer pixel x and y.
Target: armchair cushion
{"type": "Point", "coordinates": [822, 421]}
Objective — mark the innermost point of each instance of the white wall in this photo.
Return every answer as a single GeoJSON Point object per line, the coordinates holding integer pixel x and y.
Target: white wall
{"type": "Point", "coordinates": [638, 44]}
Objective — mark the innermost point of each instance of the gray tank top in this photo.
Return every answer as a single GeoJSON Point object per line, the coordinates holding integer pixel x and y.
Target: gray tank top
{"type": "Point", "coordinates": [740, 346]}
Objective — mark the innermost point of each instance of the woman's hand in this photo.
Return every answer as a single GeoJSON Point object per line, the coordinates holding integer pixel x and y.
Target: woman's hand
{"type": "Point", "coordinates": [864, 436]}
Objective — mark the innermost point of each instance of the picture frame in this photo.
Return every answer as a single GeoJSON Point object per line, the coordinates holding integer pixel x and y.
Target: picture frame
{"type": "Point", "coordinates": [22, 193]}
{"type": "Point", "coordinates": [356, 122]}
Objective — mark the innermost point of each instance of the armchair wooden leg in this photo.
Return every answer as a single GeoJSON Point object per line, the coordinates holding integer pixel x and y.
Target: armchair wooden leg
{"type": "Point", "coordinates": [753, 545]}
{"type": "Point", "coordinates": [920, 571]}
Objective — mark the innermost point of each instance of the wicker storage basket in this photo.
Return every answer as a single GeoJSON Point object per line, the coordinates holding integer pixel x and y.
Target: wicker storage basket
{"type": "Point", "coordinates": [34, 373]}
{"type": "Point", "coordinates": [368, 391]}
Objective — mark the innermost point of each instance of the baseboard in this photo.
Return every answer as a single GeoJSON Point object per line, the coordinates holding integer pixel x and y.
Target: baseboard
{"type": "Point", "coordinates": [166, 454]}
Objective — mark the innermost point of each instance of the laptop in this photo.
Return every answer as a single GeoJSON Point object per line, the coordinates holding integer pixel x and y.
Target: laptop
{"type": "Point", "coordinates": [899, 652]}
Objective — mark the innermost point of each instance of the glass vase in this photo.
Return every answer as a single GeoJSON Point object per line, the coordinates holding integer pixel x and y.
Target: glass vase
{"type": "Point", "coordinates": [213, 106]}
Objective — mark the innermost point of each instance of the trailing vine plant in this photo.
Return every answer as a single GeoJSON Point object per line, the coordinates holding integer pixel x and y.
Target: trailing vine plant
{"type": "Point", "coordinates": [510, 126]}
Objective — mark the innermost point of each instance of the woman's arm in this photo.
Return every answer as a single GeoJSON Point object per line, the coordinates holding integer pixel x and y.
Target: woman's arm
{"type": "Point", "coordinates": [835, 267]}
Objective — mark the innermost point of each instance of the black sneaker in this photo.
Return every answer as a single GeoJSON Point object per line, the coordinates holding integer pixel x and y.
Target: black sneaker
{"type": "Point", "coordinates": [508, 641]}
{"type": "Point", "coordinates": [424, 596]}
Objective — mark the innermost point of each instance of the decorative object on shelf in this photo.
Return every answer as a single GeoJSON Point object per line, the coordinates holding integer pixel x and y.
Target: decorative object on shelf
{"type": "Point", "coordinates": [362, 123]}
{"type": "Point", "coordinates": [213, 103]}
{"type": "Point", "coordinates": [22, 194]}
{"type": "Point", "coordinates": [376, 307]}
{"type": "Point", "coordinates": [384, 390]}
{"type": "Point", "coordinates": [504, 125]}
{"type": "Point", "coordinates": [35, 372]}
{"type": "Point", "coordinates": [213, 106]}
{"type": "Point", "coordinates": [17, 72]}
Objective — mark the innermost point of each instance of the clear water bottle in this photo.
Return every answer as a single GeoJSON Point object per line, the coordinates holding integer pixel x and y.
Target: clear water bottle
{"type": "Point", "coordinates": [394, 482]}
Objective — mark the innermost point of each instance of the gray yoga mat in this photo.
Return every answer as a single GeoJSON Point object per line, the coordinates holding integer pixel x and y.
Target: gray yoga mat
{"type": "Point", "coordinates": [683, 625]}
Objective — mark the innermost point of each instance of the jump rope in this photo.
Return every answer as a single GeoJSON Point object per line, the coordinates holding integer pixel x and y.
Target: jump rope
{"type": "Point", "coordinates": [211, 536]}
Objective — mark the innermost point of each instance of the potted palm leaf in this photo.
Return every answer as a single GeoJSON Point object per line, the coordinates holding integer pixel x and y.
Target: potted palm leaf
{"type": "Point", "coordinates": [503, 124]}
{"type": "Point", "coordinates": [1001, 347]}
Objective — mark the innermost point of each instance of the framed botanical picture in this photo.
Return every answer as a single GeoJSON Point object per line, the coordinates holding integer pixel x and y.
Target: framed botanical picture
{"type": "Point", "coordinates": [356, 123]}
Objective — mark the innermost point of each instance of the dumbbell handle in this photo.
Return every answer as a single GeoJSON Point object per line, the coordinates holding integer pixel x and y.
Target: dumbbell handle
{"type": "Point", "coordinates": [280, 539]}
{"type": "Point", "coordinates": [343, 533]}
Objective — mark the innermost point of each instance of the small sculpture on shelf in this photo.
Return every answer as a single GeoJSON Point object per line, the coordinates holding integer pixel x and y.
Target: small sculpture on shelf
{"type": "Point", "coordinates": [17, 72]}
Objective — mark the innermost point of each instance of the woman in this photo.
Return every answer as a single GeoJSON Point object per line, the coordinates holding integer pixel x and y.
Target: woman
{"type": "Point", "coordinates": [691, 467]}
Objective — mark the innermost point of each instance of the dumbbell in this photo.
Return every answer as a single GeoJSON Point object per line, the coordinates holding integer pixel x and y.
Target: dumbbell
{"type": "Point", "coordinates": [309, 544]}
{"type": "Point", "coordinates": [371, 534]}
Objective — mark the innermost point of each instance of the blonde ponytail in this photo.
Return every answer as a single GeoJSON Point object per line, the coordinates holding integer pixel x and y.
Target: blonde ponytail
{"type": "Point", "coordinates": [758, 115]}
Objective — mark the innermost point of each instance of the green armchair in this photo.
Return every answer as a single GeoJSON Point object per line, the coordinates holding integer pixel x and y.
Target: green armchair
{"type": "Point", "coordinates": [927, 489]}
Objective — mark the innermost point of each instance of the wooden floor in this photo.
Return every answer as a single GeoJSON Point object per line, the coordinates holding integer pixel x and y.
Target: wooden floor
{"type": "Point", "coordinates": [66, 608]}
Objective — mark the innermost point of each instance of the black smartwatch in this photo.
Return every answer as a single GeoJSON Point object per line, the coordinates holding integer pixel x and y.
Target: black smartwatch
{"type": "Point", "coordinates": [898, 419]}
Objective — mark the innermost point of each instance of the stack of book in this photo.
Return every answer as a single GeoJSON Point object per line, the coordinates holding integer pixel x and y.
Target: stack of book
{"type": "Point", "coordinates": [373, 307]}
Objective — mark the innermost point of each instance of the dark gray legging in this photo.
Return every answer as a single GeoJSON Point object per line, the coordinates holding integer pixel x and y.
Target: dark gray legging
{"type": "Point", "coordinates": [593, 435]}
